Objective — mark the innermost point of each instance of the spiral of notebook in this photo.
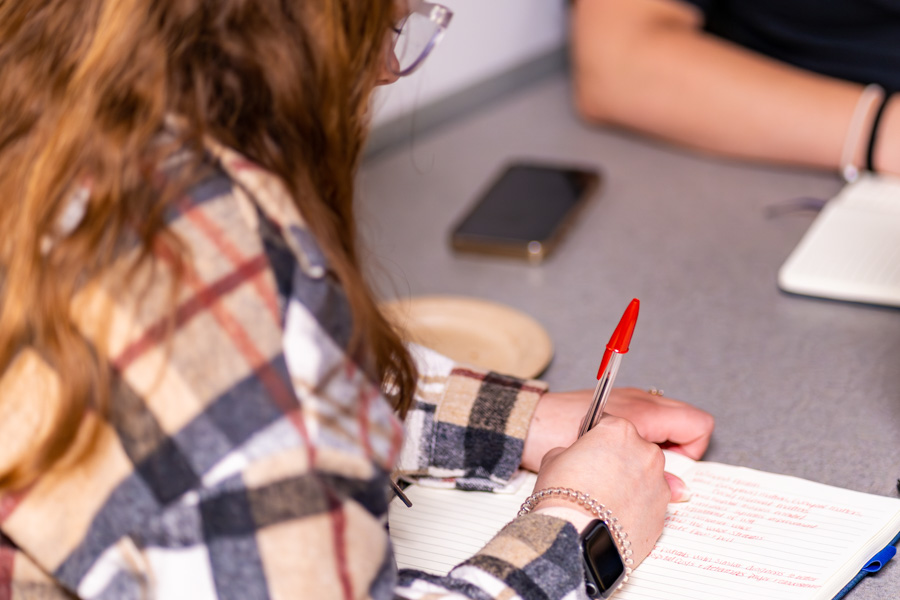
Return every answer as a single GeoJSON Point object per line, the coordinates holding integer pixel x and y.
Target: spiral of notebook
{"type": "Point", "coordinates": [852, 250]}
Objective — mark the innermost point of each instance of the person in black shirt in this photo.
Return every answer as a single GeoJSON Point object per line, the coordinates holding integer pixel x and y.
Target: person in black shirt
{"type": "Point", "coordinates": [787, 81]}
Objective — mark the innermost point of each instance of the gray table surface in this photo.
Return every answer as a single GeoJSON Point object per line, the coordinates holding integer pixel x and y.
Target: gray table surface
{"type": "Point", "coordinates": [801, 386]}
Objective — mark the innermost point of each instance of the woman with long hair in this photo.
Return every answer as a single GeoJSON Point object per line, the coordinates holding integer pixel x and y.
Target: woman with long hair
{"type": "Point", "coordinates": [198, 395]}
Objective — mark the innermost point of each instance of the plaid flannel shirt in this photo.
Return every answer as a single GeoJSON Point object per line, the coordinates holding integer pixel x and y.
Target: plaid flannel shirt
{"type": "Point", "coordinates": [245, 455]}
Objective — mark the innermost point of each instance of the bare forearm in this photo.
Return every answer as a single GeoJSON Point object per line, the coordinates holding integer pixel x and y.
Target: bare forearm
{"type": "Point", "coordinates": [647, 64]}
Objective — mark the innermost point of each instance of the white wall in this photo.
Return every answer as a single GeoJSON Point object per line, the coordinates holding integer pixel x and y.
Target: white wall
{"type": "Point", "coordinates": [486, 37]}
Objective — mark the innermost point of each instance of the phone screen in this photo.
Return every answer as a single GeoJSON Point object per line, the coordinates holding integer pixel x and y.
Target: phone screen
{"type": "Point", "coordinates": [525, 210]}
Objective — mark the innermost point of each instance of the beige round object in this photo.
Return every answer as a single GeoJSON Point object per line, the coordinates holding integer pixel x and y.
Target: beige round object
{"type": "Point", "coordinates": [476, 332]}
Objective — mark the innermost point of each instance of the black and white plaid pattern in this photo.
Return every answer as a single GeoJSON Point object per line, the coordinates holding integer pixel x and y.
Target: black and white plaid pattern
{"type": "Point", "coordinates": [247, 456]}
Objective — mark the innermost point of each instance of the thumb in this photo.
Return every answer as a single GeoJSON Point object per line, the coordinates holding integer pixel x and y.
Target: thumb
{"type": "Point", "coordinates": [679, 489]}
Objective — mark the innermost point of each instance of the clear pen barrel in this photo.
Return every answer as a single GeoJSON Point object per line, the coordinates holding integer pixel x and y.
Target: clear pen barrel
{"type": "Point", "coordinates": [601, 394]}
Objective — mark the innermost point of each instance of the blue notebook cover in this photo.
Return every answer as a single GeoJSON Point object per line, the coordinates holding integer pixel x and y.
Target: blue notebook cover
{"type": "Point", "coordinates": [873, 566]}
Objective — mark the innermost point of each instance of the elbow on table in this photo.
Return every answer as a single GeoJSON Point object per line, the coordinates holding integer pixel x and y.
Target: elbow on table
{"type": "Point", "coordinates": [607, 86]}
{"type": "Point", "coordinates": [589, 103]}
{"type": "Point", "coordinates": [599, 98]}
{"type": "Point", "coordinates": [623, 55]}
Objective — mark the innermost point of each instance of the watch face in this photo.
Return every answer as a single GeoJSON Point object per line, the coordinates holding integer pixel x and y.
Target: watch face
{"type": "Point", "coordinates": [603, 566]}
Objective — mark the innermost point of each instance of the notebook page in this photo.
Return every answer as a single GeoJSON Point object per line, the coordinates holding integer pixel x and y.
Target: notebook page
{"type": "Point", "coordinates": [445, 527]}
{"type": "Point", "coordinates": [852, 249]}
{"type": "Point", "coordinates": [876, 193]}
{"type": "Point", "coordinates": [760, 535]}
{"type": "Point", "coordinates": [847, 254]}
{"type": "Point", "coordinates": [750, 533]}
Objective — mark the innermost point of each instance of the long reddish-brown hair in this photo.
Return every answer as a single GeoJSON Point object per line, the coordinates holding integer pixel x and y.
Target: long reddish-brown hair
{"type": "Point", "coordinates": [85, 87]}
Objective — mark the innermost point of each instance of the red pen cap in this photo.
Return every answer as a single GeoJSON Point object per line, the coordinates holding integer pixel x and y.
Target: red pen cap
{"type": "Point", "coordinates": [621, 337]}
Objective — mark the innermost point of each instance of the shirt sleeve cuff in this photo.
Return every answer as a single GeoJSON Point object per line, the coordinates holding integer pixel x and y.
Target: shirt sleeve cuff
{"type": "Point", "coordinates": [473, 423]}
{"type": "Point", "coordinates": [534, 555]}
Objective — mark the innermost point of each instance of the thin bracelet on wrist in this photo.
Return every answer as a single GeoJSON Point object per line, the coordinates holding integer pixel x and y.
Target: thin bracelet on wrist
{"type": "Point", "coordinates": [873, 134]}
{"type": "Point", "coordinates": [597, 510]}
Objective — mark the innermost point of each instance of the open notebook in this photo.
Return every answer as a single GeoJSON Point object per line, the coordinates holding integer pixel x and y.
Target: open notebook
{"type": "Point", "coordinates": [852, 250]}
{"type": "Point", "coordinates": [744, 535]}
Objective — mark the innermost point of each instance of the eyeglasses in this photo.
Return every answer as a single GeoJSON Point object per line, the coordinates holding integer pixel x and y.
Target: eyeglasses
{"type": "Point", "coordinates": [416, 35]}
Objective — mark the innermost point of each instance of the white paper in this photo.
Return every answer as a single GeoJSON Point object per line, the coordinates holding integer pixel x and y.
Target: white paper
{"type": "Point", "coordinates": [746, 533]}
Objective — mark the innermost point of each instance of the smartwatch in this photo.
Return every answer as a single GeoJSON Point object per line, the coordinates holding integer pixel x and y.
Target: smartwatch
{"type": "Point", "coordinates": [604, 569]}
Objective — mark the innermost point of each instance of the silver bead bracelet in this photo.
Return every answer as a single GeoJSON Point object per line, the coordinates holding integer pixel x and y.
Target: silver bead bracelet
{"type": "Point", "coordinates": [597, 510]}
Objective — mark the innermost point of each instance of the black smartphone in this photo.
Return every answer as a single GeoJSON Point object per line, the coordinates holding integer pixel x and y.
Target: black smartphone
{"type": "Point", "coordinates": [526, 210]}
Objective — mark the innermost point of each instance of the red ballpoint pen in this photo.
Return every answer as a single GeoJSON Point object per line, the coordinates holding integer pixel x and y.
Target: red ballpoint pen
{"type": "Point", "coordinates": [617, 346]}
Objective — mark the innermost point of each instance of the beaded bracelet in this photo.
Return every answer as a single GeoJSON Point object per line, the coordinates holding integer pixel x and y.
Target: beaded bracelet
{"type": "Point", "coordinates": [597, 510]}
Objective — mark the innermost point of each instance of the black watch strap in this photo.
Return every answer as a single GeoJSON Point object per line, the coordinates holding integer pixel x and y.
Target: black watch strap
{"type": "Point", "coordinates": [604, 568]}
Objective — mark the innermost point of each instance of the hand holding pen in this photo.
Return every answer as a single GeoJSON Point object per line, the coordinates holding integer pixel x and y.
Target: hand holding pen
{"type": "Point", "coordinates": [609, 367]}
